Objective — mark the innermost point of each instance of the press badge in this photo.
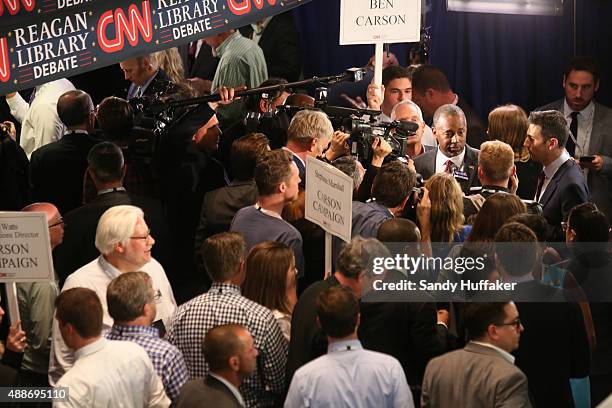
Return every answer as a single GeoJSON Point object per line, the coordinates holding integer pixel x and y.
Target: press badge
{"type": "Point", "coordinates": [462, 175]}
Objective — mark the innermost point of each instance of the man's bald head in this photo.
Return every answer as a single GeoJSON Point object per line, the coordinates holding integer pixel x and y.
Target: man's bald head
{"type": "Point", "coordinates": [75, 109]}
{"type": "Point", "coordinates": [54, 221]}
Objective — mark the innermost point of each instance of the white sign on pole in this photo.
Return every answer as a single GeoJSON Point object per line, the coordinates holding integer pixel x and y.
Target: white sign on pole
{"type": "Point", "coordinates": [329, 198]}
{"type": "Point", "coordinates": [379, 21]}
{"type": "Point", "coordinates": [25, 250]}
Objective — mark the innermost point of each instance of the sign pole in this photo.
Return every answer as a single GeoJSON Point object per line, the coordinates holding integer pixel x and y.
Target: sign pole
{"type": "Point", "coordinates": [378, 67]}
{"type": "Point", "coordinates": [11, 301]}
{"type": "Point", "coordinates": [328, 255]}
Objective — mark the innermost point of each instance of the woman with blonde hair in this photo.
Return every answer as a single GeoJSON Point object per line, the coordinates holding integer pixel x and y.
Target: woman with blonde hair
{"type": "Point", "coordinates": [508, 123]}
{"type": "Point", "coordinates": [271, 281]}
{"type": "Point", "coordinates": [170, 61]}
{"type": "Point", "coordinates": [446, 220]}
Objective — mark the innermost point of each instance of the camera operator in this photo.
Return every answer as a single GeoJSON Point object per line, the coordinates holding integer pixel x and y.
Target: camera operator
{"type": "Point", "coordinates": [309, 133]}
{"type": "Point", "coordinates": [410, 111]}
{"type": "Point", "coordinates": [261, 117]}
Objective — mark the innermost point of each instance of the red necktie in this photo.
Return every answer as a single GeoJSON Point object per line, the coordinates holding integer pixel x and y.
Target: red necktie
{"type": "Point", "coordinates": [449, 167]}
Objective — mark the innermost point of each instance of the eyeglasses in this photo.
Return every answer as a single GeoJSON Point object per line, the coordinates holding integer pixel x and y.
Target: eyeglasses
{"type": "Point", "coordinates": [145, 237]}
{"type": "Point", "coordinates": [516, 323]}
{"type": "Point", "coordinates": [60, 222]}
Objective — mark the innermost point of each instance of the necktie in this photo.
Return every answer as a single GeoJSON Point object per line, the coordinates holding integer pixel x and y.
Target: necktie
{"type": "Point", "coordinates": [541, 178]}
{"type": "Point", "coordinates": [448, 167]}
{"type": "Point", "coordinates": [571, 146]}
{"type": "Point", "coordinates": [191, 53]}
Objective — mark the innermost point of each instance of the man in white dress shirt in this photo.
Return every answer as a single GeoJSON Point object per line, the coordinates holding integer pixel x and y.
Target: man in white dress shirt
{"type": "Point", "coordinates": [106, 373]}
{"type": "Point", "coordinates": [124, 241]}
{"type": "Point", "coordinates": [40, 124]}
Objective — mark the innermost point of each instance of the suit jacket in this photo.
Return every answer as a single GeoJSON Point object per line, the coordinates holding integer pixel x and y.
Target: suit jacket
{"type": "Point", "coordinates": [78, 247]}
{"type": "Point", "coordinates": [280, 43]}
{"type": "Point", "coordinates": [307, 340]}
{"type": "Point", "coordinates": [566, 189]}
{"type": "Point", "coordinates": [204, 66]}
{"type": "Point", "coordinates": [425, 165]}
{"type": "Point", "coordinates": [158, 84]}
{"type": "Point", "coordinates": [475, 376]}
{"type": "Point", "coordinates": [599, 182]}
{"type": "Point", "coordinates": [57, 169]}
{"type": "Point", "coordinates": [476, 128]}
{"type": "Point", "coordinates": [554, 346]}
{"type": "Point", "coordinates": [207, 392]}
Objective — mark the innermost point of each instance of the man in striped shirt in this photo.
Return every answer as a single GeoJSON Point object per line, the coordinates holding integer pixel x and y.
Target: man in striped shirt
{"type": "Point", "coordinates": [131, 303]}
{"type": "Point", "coordinates": [241, 63]}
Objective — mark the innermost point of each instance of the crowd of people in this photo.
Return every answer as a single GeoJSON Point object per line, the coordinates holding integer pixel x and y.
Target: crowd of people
{"type": "Point", "coordinates": [187, 274]}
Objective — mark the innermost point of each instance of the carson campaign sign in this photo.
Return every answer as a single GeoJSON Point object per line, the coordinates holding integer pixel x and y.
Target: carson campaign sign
{"type": "Point", "coordinates": [25, 250]}
{"type": "Point", "coordinates": [43, 40]}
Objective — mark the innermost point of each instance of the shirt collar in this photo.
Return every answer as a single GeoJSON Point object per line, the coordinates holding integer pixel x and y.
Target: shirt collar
{"type": "Point", "coordinates": [224, 288]}
{"type": "Point", "coordinates": [552, 168]}
{"type": "Point", "coordinates": [226, 44]}
{"type": "Point", "coordinates": [346, 345]}
{"type": "Point", "coordinates": [111, 190]}
{"type": "Point", "coordinates": [90, 348]}
{"type": "Point", "coordinates": [81, 131]}
{"type": "Point", "coordinates": [509, 357]}
{"type": "Point", "coordinates": [294, 154]}
{"type": "Point", "coordinates": [231, 387]}
{"type": "Point", "coordinates": [108, 267]}
{"type": "Point", "coordinates": [123, 330]}
{"type": "Point", "coordinates": [457, 160]}
{"type": "Point", "coordinates": [144, 86]}
{"type": "Point", "coordinates": [585, 113]}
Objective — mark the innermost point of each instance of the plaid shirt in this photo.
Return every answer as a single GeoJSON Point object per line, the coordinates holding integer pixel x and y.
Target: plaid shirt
{"type": "Point", "coordinates": [167, 359]}
{"type": "Point", "coordinates": [223, 304]}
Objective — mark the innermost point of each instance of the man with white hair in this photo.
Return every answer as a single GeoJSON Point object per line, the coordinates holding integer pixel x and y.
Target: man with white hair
{"type": "Point", "coordinates": [124, 241]}
{"type": "Point", "coordinates": [309, 134]}
{"type": "Point", "coordinates": [410, 111]}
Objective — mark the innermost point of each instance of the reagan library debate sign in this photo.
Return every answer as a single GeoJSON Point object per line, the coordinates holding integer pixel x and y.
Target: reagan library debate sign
{"type": "Point", "coordinates": [43, 40]}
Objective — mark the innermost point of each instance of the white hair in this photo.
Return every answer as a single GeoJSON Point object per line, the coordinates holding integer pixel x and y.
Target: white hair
{"type": "Point", "coordinates": [409, 103]}
{"type": "Point", "coordinates": [309, 124]}
{"type": "Point", "coordinates": [116, 226]}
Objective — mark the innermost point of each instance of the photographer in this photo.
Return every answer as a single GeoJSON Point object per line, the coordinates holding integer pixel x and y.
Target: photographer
{"type": "Point", "coordinates": [309, 133]}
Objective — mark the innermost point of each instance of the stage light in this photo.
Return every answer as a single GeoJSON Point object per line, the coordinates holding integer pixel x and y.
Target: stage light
{"type": "Point", "coordinates": [528, 7]}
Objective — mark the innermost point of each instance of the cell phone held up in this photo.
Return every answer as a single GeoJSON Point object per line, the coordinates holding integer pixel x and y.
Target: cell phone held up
{"type": "Point", "coordinates": [586, 159]}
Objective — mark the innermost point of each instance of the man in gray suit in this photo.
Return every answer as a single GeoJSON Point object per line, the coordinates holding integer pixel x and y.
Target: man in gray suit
{"type": "Point", "coordinates": [453, 155]}
{"type": "Point", "coordinates": [232, 356]}
{"type": "Point", "coordinates": [483, 373]}
{"type": "Point", "coordinates": [591, 127]}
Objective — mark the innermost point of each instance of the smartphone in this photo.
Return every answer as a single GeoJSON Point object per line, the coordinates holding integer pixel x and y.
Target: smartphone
{"type": "Point", "coordinates": [586, 159]}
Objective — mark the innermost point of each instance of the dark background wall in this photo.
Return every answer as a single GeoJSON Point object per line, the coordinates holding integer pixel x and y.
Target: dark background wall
{"type": "Point", "coordinates": [490, 59]}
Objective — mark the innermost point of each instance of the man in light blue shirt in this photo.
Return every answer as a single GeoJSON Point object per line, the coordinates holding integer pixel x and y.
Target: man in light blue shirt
{"type": "Point", "coordinates": [348, 375]}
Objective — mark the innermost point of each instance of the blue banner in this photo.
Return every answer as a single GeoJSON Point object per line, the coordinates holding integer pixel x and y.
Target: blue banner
{"type": "Point", "coordinates": [43, 40]}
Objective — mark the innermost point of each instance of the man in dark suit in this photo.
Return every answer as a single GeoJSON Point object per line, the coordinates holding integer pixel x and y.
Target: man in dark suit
{"type": "Point", "coordinates": [431, 89]}
{"type": "Point", "coordinates": [57, 169]}
{"type": "Point", "coordinates": [554, 346]}
{"type": "Point", "coordinates": [561, 185]}
{"type": "Point", "coordinates": [146, 78]}
{"type": "Point", "coordinates": [106, 169]}
{"type": "Point", "coordinates": [592, 129]}
{"type": "Point", "coordinates": [280, 42]}
{"type": "Point", "coordinates": [307, 340]}
{"type": "Point", "coordinates": [453, 155]}
{"type": "Point", "coordinates": [198, 60]}
{"type": "Point", "coordinates": [231, 355]}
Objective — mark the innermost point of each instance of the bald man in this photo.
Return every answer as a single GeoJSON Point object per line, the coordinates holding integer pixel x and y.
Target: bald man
{"type": "Point", "coordinates": [36, 305]}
